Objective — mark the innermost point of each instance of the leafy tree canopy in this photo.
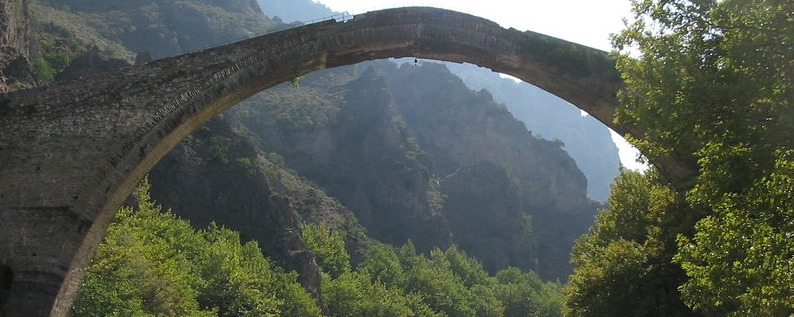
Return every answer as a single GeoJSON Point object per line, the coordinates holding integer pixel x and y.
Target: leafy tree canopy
{"type": "Point", "coordinates": [402, 282]}
{"type": "Point", "coordinates": [711, 81]}
{"type": "Point", "coordinates": [624, 265]}
{"type": "Point", "coordinates": [152, 263]}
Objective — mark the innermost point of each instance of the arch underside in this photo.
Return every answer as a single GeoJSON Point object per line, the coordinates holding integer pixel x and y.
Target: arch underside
{"type": "Point", "coordinates": [75, 150]}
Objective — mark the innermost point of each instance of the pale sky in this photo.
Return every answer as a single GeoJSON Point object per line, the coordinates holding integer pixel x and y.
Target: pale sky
{"type": "Point", "coordinates": [587, 22]}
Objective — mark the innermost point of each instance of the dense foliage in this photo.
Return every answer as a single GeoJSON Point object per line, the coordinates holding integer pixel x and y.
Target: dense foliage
{"type": "Point", "coordinates": [624, 265]}
{"type": "Point", "coordinates": [711, 81]}
{"type": "Point", "coordinates": [402, 282]}
{"type": "Point", "coordinates": [152, 263]}
{"type": "Point", "coordinates": [57, 49]}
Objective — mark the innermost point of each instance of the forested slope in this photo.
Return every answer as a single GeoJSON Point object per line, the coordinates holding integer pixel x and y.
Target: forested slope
{"type": "Point", "coordinates": [152, 263]}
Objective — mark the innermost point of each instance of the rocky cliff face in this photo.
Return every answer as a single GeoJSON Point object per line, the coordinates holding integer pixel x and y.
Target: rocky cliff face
{"type": "Point", "coordinates": [218, 175]}
{"type": "Point", "coordinates": [161, 28]}
{"type": "Point", "coordinates": [466, 133]}
{"type": "Point", "coordinates": [340, 130]}
{"type": "Point", "coordinates": [15, 25]}
{"type": "Point", "coordinates": [586, 139]}
{"type": "Point", "coordinates": [417, 155]}
{"type": "Point", "coordinates": [488, 217]}
{"type": "Point", "coordinates": [458, 127]}
{"type": "Point", "coordinates": [15, 45]}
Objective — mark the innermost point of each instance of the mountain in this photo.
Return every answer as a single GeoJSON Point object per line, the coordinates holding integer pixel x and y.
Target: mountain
{"type": "Point", "coordinates": [340, 130]}
{"type": "Point", "coordinates": [587, 140]}
{"type": "Point", "coordinates": [458, 126]}
{"type": "Point", "coordinates": [218, 175]}
{"type": "Point", "coordinates": [466, 130]}
{"type": "Point", "coordinates": [395, 144]}
{"type": "Point", "coordinates": [295, 11]}
{"type": "Point", "coordinates": [159, 28]}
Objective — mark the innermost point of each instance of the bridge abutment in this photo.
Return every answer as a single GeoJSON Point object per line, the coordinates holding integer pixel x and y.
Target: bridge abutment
{"type": "Point", "coordinates": [39, 245]}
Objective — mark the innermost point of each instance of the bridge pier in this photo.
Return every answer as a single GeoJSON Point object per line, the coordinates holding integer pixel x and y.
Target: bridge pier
{"type": "Point", "coordinates": [38, 245]}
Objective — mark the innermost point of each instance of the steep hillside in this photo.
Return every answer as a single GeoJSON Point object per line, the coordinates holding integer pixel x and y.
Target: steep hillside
{"type": "Point", "coordinates": [460, 128]}
{"type": "Point", "coordinates": [409, 150]}
{"type": "Point", "coordinates": [15, 26]}
{"type": "Point", "coordinates": [340, 130]}
{"type": "Point", "coordinates": [487, 217]}
{"type": "Point", "coordinates": [586, 140]}
{"type": "Point", "coordinates": [161, 28]}
{"type": "Point", "coordinates": [218, 175]}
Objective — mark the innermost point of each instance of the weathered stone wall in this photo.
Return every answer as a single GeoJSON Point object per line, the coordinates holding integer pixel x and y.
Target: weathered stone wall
{"type": "Point", "coordinates": [70, 153]}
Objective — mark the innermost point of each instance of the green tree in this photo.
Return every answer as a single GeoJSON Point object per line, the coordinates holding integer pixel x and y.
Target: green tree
{"type": "Point", "coordinates": [402, 282]}
{"type": "Point", "coordinates": [151, 263]}
{"type": "Point", "coordinates": [374, 289]}
{"type": "Point", "coordinates": [329, 246]}
{"type": "Point", "coordinates": [524, 294]}
{"type": "Point", "coordinates": [624, 265]}
{"type": "Point", "coordinates": [709, 73]}
{"type": "Point", "coordinates": [237, 277]}
{"type": "Point", "coordinates": [383, 265]}
{"type": "Point", "coordinates": [711, 81]}
{"type": "Point", "coordinates": [468, 268]}
{"type": "Point", "coordinates": [355, 294]}
{"type": "Point", "coordinates": [136, 272]}
{"type": "Point", "coordinates": [741, 260]}
{"type": "Point", "coordinates": [442, 289]}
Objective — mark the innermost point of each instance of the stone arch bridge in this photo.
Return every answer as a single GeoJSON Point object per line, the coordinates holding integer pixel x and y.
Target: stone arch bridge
{"type": "Point", "coordinates": [71, 152]}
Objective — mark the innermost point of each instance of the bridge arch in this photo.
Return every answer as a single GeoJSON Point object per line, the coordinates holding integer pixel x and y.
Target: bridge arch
{"type": "Point", "coordinates": [71, 152]}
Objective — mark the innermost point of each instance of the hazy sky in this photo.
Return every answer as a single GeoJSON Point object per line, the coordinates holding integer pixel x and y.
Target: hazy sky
{"type": "Point", "coordinates": [588, 22]}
